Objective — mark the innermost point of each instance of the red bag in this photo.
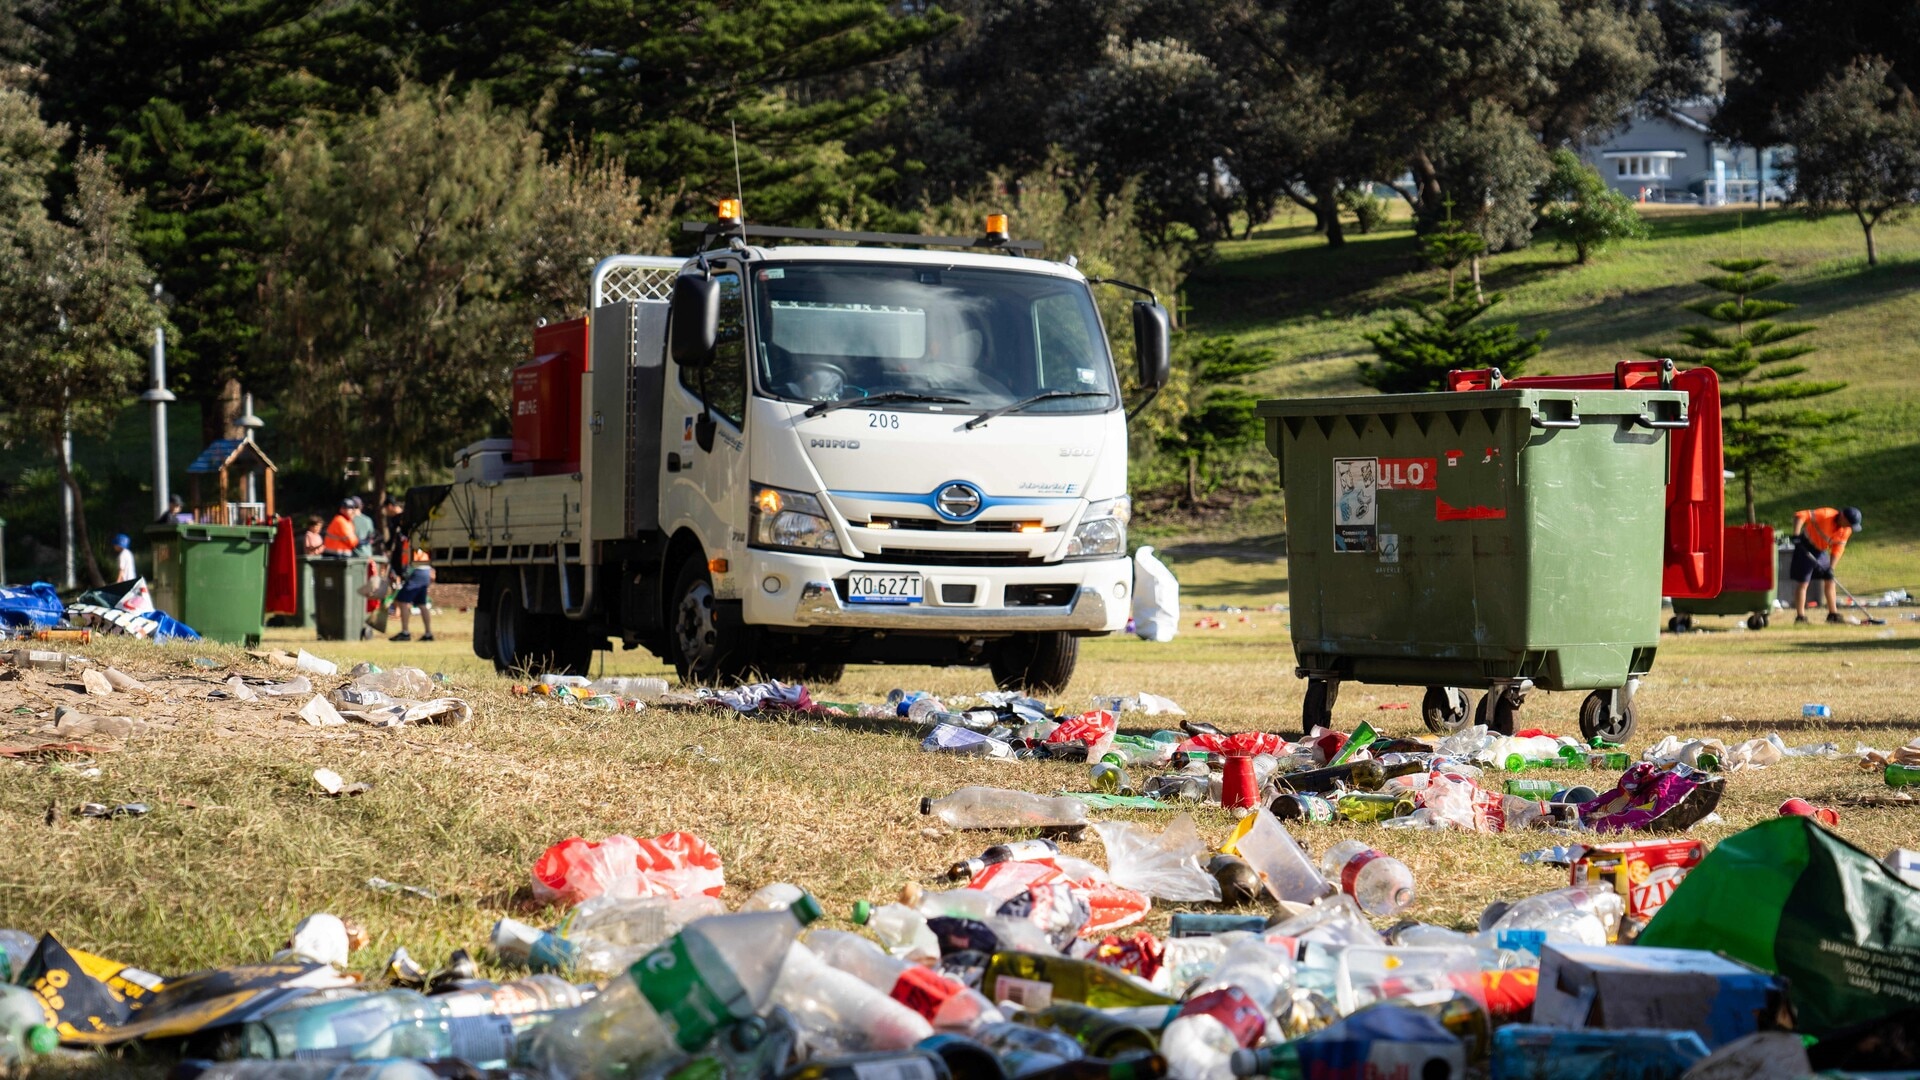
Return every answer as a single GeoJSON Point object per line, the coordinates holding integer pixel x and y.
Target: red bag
{"type": "Point", "coordinates": [1088, 727]}
{"type": "Point", "coordinates": [675, 864]}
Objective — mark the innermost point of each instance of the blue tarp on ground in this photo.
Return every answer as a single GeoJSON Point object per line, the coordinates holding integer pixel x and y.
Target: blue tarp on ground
{"type": "Point", "coordinates": [30, 606]}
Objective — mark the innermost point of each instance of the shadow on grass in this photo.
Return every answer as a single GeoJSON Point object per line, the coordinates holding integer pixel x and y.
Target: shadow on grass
{"type": "Point", "coordinates": [1259, 550]}
{"type": "Point", "coordinates": [1889, 645]}
{"type": "Point", "coordinates": [1293, 280]}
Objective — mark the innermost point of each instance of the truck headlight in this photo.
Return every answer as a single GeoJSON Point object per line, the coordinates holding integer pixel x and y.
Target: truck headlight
{"type": "Point", "coordinates": [1102, 532]}
{"type": "Point", "coordinates": [789, 519]}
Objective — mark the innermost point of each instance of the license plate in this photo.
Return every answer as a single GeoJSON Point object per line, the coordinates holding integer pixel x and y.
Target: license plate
{"type": "Point", "coordinates": [884, 589]}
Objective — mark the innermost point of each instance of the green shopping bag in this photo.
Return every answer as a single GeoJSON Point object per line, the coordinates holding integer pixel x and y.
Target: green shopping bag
{"type": "Point", "coordinates": [1790, 897]}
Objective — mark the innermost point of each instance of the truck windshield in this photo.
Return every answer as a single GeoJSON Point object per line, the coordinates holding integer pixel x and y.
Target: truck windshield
{"type": "Point", "coordinates": [832, 331]}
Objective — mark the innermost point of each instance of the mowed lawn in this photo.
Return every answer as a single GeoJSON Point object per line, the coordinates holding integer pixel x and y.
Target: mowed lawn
{"type": "Point", "coordinates": [240, 844]}
{"type": "Point", "coordinates": [1285, 290]}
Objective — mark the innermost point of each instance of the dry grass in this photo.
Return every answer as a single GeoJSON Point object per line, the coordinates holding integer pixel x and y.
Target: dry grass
{"type": "Point", "coordinates": [829, 804]}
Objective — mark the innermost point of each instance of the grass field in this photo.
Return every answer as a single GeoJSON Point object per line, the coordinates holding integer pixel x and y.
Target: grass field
{"type": "Point", "coordinates": [240, 845]}
{"type": "Point", "coordinates": [1287, 291]}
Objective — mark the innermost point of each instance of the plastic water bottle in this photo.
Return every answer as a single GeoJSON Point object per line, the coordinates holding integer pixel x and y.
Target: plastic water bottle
{"type": "Point", "coordinates": [946, 1003]}
{"type": "Point", "coordinates": [835, 1008]}
{"type": "Point", "coordinates": [1582, 914]}
{"type": "Point", "coordinates": [716, 971]}
{"type": "Point", "coordinates": [978, 807]}
{"type": "Point", "coordinates": [1817, 712]}
{"type": "Point", "coordinates": [389, 1069]}
{"type": "Point", "coordinates": [900, 928]}
{"type": "Point", "coordinates": [16, 948]}
{"type": "Point", "coordinates": [536, 949]}
{"type": "Point", "coordinates": [606, 933]}
{"type": "Point", "coordinates": [629, 686]}
{"type": "Point", "coordinates": [1380, 884]}
{"type": "Point", "coordinates": [390, 1024]}
{"type": "Point", "coordinates": [24, 1033]}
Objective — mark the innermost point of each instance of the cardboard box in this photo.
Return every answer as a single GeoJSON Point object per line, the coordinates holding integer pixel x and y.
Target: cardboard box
{"type": "Point", "coordinates": [1643, 872]}
{"type": "Point", "coordinates": [1618, 987]}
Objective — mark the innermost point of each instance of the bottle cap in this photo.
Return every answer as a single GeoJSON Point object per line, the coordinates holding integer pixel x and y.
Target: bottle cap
{"type": "Point", "coordinates": [806, 908]}
{"type": "Point", "coordinates": [862, 911]}
{"type": "Point", "coordinates": [926, 804]}
{"type": "Point", "coordinates": [42, 1039]}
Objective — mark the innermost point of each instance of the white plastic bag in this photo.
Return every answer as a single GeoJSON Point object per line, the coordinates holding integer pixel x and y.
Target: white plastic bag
{"type": "Point", "coordinates": [1156, 598]}
{"type": "Point", "coordinates": [1164, 865]}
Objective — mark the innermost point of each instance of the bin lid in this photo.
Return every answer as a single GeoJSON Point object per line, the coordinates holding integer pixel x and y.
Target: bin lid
{"type": "Point", "coordinates": [191, 531]}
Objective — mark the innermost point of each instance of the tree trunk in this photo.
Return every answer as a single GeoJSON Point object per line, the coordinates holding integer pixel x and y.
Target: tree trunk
{"type": "Point", "coordinates": [1479, 297]}
{"type": "Point", "coordinates": [1426, 180]}
{"type": "Point", "coordinates": [1193, 480]}
{"type": "Point", "coordinates": [80, 536]}
{"type": "Point", "coordinates": [1452, 290]}
{"type": "Point", "coordinates": [379, 470]}
{"type": "Point", "coordinates": [1579, 254]}
{"type": "Point", "coordinates": [1873, 257]}
{"type": "Point", "coordinates": [1326, 205]}
{"type": "Point", "coordinates": [1746, 483]}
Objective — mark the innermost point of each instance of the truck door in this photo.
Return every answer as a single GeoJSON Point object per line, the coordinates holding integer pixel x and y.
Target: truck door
{"type": "Point", "coordinates": [705, 487]}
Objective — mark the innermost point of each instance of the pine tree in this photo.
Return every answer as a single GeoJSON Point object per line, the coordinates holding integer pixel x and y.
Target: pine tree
{"type": "Point", "coordinates": [1415, 356]}
{"type": "Point", "coordinates": [1751, 357]}
{"type": "Point", "coordinates": [1449, 245]}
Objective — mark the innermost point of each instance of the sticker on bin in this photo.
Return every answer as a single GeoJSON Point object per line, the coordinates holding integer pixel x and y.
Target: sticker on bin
{"type": "Point", "coordinates": [884, 589]}
{"type": "Point", "coordinates": [1407, 473]}
{"type": "Point", "coordinates": [1356, 504]}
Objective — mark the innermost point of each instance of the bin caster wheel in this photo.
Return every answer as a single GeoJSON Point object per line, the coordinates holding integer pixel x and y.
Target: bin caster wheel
{"type": "Point", "coordinates": [1595, 723]}
{"type": "Point", "coordinates": [1497, 712]}
{"type": "Point", "coordinates": [1680, 624]}
{"type": "Point", "coordinates": [1444, 709]}
{"type": "Point", "coordinates": [1756, 622]}
{"type": "Point", "coordinates": [1317, 710]}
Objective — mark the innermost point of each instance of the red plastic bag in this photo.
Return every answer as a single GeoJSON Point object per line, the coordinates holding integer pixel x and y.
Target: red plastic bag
{"type": "Point", "coordinates": [675, 864]}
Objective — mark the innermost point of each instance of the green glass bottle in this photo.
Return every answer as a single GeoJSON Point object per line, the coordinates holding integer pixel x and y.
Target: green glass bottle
{"type": "Point", "coordinates": [1100, 1033]}
{"type": "Point", "coordinates": [893, 1064]}
{"type": "Point", "coordinates": [1902, 775]}
{"type": "Point", "coordinates": [1375, 805]}
{"type": "Point", "coordinates": [1034, 981]}
{"type": "Point", "coordinates": [1130, 1067]}
{"type": "Point", "coordinates": [1535, 790]}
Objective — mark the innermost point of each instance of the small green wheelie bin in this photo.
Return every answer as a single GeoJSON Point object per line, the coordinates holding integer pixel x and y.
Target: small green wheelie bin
{"type": "Point", "coordinates": [1506, 540]}
{"type": "Point", "coordinates": [213, 578]}
{"type": "Point", "coordinates": [339, 609]}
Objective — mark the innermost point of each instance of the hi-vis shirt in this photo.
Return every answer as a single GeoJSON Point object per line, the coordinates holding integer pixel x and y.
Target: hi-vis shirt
{"type": "Point", "coordinates": [1825, 529]}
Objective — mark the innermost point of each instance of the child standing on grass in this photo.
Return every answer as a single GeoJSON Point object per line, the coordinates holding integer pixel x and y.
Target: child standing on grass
{"type": "Point", "coordinates": [412, 599]}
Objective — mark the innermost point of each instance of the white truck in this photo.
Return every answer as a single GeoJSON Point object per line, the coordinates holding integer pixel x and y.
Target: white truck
{"type": "Point", "coordinates": [778, 459]}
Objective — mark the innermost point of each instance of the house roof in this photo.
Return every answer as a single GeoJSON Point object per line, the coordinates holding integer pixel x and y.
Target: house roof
{"type": "Point", "coordinates": [223, 452]}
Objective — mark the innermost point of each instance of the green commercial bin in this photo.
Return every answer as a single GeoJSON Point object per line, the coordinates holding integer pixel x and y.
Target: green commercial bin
{"type": "Point", "coordinates": [213, 578]}
{"type": "Point", "coordinates": [1503, 540]}
{"type": "Point", "coordinates": [339, 611]}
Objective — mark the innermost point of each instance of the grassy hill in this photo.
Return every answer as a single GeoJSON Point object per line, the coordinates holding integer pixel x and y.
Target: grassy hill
{"type": "Point", "coordinates": [1285, 290]}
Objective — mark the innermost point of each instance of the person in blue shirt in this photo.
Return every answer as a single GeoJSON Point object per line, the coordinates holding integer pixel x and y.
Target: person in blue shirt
{"type": "Point", "coordinates": [412, 599]}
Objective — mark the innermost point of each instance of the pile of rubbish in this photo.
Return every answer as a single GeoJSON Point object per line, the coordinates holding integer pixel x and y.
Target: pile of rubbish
{"type": "Point", "coordinates": [1798, 958]}
{"type": "Point", "coordinates": [35, 612]}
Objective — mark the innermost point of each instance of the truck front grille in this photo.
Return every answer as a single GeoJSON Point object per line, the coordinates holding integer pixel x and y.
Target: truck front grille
{"type": "Point", "coordinates": [954, 558]}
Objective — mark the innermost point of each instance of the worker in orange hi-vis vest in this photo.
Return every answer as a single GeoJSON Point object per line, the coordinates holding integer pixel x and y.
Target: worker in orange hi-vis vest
{"type": "Point", "coordinates": [1819, 539]}
{"type": "Point", "coordinates": [341, 538]}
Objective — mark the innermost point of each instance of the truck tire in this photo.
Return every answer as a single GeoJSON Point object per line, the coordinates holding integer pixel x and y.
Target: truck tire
{"type": "Point", "coordinates": [1035, 663]}
{"type": "Point", "coordinates": [709, 647]}
{"type": "Point", "coordinates": [516, 631]}
{"type": "Point", "coordinates": [572, 646]}
{"type": "Point", "coordinates": [823, 672]}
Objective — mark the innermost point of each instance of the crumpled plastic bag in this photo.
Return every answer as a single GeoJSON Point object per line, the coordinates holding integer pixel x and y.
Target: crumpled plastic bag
{"type": "Point", "coordinates": [950, 739]}
{"type": "Point", "coordinates": [1065, 897]}
{"type": "Point", "coordinates": [1092, 727]}
{"type": "Point", "coordinates": [401, 712]}
{"type": "Point", "coordinates": [1165, 865]}
{"type": "Point", "coordinates": [748, 698]}
{"type": "Point", "coordinates": [1671, 749]}
{"type": "Point", "coordinates": [1650, 798]}
{"type": "Point", "coordinates": [400, 682]}
{"type": "Point", "coordinates": [1880, 759]}
{"type": "Point", "coordinates": [675, 864]}
{"type": "Point", "coordinates": [1770, 749]}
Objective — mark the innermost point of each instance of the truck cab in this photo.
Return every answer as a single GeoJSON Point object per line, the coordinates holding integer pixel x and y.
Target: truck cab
{"type": "Point", "coordinates": [846, 455]}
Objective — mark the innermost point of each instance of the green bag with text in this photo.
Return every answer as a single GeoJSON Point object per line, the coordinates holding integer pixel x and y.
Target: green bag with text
{"type": "Point", "coordinates": [1790, 897]}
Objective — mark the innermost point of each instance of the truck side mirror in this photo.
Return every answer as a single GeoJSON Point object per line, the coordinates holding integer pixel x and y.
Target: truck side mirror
{"type": "Point", "coordinates": [695, 314]}
{"type": "Point", "coordinates": [1151, 344]}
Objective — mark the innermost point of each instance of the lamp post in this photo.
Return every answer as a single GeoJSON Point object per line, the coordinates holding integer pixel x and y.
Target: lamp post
{"type": "Point", "coordinates": [159, 397]}
{"type": "Point", "coordinates": [249, 423]}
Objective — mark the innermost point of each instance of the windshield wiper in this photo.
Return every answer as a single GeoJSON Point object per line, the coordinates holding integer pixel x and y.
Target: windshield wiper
{"type": "Point", "coordinates": [1044, 395]}
{"type": "Point", "coordinates": [884, 396]}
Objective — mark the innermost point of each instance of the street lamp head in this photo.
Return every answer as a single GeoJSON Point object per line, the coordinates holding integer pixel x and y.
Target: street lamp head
{"type": "Point", "coordinates": [247, 419]}
{"type": "Point", "coordinates": [159, 395]}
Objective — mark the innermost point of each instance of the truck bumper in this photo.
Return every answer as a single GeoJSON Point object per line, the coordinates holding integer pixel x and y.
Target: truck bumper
{"type": "Point", "coordinates": [806, 591]}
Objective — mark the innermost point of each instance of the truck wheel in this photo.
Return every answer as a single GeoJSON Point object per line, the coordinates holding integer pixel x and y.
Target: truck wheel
{"type": "Point", "coordinates": [1035, 663]}
{"type": "Point", "coordinates": [708, 648]}
{"type": "Point", "coordinates": [483, 622]}
{"type": "Point", "coordinates": [823, 672]}
{"type": "Point", "coordinates": [573, 646]}
{"type": "Point", "coordinates": [516, 644]}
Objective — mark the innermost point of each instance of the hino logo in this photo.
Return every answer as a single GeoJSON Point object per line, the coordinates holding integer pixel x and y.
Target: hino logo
{"type": "Point", "coordinates": [834, 444]}
{"type": "Point", "coordinates": [958, 501]}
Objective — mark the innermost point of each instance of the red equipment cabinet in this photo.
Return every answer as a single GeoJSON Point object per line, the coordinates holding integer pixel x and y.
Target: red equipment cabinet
{"type": "Point", "coordinates": [1696, 482]}
{"type": "Point", "coordinates": [546, 399]}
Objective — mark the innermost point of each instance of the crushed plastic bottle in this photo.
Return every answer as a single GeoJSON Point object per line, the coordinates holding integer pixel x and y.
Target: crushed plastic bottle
{"type": "Point", "coordinates": [1577, 914]}
{"type": "Point", "coordinates": [977, 807]}
{"type": "Point", "coordinates": [16, 948]}
{"type": "Point", "coordinates": [253, 1069]}
{"type": "Point", "coordinates": [642, 687]}
{"type": "Point", "coordinates": [1381, 884]}
{"type": "Point", "coordinates": [672, 1002]}
{"type": "Point", "coordinates": [945, 1003]}
{"type": "Point", "coordinates": [901, 929]}
{"type": "Point", "coordinates": [838, 1012]}
{"type": "Point", "coordinates": [24, 1033]}
{"type": "Point", "coordinates": [607, 934]}
{"type": "Point", "coordinates": [390, 1024]}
